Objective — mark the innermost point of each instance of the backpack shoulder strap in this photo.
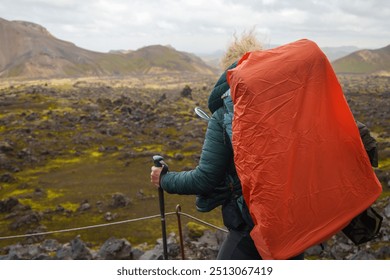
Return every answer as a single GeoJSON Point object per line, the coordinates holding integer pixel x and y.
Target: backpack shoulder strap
{"type": "Point", "coordinates": [228, 115]}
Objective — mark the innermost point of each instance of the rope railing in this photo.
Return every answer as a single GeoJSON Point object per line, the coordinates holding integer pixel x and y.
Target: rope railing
{"type": "Point", "coordinates": [178, 212]}
{"type": "Point", "coordinates": [203, 222]}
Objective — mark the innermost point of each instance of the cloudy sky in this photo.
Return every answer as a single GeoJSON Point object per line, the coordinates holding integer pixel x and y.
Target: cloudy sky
{"type": "Point", "coordinates": [204, 26]}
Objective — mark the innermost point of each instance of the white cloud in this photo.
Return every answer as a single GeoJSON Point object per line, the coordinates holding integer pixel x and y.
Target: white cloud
{"type": "Point", "coordinates": [205, 25]}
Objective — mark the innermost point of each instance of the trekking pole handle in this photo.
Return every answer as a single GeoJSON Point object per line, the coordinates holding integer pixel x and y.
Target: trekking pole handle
{"type": "Point", "coordinates": [159, 162]}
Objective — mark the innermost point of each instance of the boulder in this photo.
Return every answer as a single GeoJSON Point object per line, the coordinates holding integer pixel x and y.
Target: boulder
{"type": "Point", "coordinates": [76, 249]}
{"type": "Point", "coordinates": [115, 249]}
{"type": "Point", "coordinates": [8, 204]}
{"type": "Point", "coordinates": [30, 218]}
{"type": "Point", "coordinates": [120, 200]}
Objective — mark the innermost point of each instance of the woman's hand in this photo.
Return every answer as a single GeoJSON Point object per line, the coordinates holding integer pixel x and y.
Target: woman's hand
{"type": "Point", "coordinates": [155, 176]}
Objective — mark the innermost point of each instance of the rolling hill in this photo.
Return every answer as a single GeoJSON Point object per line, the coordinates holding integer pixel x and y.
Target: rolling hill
{"type": "Point", "coordinates": [365, 62]}
{"type": "Point", "coordinates": [334, 53]}
{"type": "Point", "coordinates": [28, 50]}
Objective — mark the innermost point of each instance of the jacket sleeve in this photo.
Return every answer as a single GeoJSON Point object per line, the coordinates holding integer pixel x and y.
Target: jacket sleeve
{"type": "Point", "coordinates": [211, 171]}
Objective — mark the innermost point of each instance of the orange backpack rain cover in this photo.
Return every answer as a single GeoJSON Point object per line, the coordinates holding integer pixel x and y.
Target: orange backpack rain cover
{"type": "Point", "coordinates": [303, 167]}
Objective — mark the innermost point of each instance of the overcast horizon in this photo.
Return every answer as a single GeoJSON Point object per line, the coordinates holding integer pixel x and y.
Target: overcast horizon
{"type": "Point", "coordinates": [205, 26]}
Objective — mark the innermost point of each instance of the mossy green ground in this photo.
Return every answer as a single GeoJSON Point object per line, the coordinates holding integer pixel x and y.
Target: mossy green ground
{"type": "Point", "coordinates": [95, 179]}
{"type": "Point", "coordinates": [75, 172]}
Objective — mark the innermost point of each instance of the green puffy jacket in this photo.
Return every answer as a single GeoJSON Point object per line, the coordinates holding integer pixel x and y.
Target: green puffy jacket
{"type": "Point", "coordinates": [214, 180]}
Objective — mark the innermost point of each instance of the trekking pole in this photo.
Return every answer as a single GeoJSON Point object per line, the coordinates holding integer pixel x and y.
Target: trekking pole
{"type": "Point", "coordinates": [159, 162]}
{"type": "Point", "coordinates": [178, 210]}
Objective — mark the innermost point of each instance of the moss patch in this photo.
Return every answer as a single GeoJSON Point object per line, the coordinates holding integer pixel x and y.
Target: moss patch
{"type": "Point", "coordinates": [195, 230]}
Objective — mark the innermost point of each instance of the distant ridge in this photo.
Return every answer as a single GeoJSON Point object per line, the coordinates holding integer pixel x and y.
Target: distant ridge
{"type": "Point", "coordinates": [375, 62]}
{"type": "Point", "coordinates": [334, 53]}
{"type": "Point", "coordinates": [28, 50]}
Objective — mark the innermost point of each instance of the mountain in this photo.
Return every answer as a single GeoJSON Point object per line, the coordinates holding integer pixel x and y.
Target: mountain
{"type": "Point", "coordinates": [159, 58]}
{"type": "Point", "coordinates": [213, 59]}
{"type": "Point", "coordinates": [365, 62]}
{"type": "Point", "coordinates": [334, 53]}
{"type": "Point", "coordinates": [28, 50]}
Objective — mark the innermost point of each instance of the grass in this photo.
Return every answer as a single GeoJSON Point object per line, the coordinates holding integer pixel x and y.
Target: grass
{"type": "Point", "coordinates": [76, 172]}
{"type": "Point", "coordinates": [81, 185]}
{"type": "Point", "coordinates": [384, 163]}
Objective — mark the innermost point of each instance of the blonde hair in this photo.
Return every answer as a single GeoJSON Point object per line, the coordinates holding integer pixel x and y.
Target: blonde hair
{"type": "Point", "coordinates": [240, 45]}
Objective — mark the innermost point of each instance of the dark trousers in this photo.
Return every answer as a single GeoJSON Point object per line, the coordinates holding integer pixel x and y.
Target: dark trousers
{"type": "Point", "coordinates": [238, 245]}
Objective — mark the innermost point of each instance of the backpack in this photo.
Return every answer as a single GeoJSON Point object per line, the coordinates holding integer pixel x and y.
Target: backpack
{"type": "Point", "coordinates": [365, 226]}
{"type": "Point", "coordinates": [304, 170]}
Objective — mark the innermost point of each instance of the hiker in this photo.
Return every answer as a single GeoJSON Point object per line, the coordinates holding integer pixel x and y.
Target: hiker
{"type": "Point", "coordinates": [214, 180]}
